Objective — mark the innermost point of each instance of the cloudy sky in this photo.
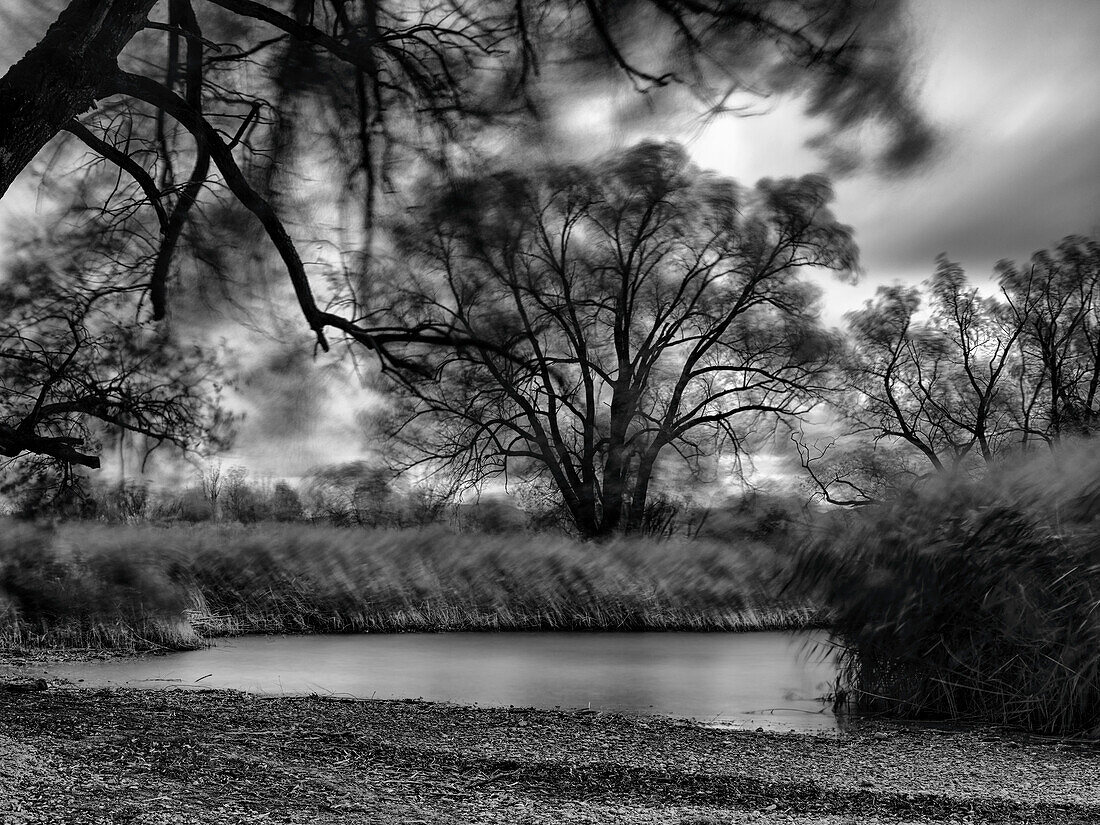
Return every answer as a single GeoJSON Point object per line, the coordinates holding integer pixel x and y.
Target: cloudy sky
{"type": "Point", "coordinates": [1014, 86]}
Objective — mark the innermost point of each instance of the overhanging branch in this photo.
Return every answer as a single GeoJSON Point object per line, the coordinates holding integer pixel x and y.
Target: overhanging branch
{"type": "Point", "coordinates": [126, 163]}
{"type": "Point", "coordinates": [209, 140]}
{"type": "Point", "coordinates": [13, 442]}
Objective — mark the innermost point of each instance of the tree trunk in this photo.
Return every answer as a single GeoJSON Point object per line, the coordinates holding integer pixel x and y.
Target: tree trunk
{"type": "Point", "coordinates": [617, 465]}
{"type": "Point", "coordinates": [641, 489]}
{"type": "Point", "coordinates": [60, 78]}
{"type": "Point", "coordinates": [586, 519]}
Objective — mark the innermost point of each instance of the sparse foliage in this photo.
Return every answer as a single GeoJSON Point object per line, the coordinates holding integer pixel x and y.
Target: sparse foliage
{"type": "Point", "coordinates": [977, 378]}
{"type": "Point", "coordinates": [354, 493]}
{"type": "Point", "coordinates": [1055, 304]}
{"type": "Point", "coordinates": [212, 483]}
{"type": "Point", "coordinates": [77, 369]}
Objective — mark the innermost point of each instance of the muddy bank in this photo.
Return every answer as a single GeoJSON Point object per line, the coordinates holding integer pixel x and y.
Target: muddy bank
{"type": "Point", "coordinates": [180, 756]}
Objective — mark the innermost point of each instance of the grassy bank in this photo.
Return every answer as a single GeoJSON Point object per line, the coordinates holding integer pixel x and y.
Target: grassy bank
{"type": "Point", "coordinates": [97, 585]}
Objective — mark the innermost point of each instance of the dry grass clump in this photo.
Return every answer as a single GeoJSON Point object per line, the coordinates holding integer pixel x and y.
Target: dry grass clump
{"type": "Point", "coordinates": [119, 586]}
{"type": "Point", "coordinates": [972, 600]}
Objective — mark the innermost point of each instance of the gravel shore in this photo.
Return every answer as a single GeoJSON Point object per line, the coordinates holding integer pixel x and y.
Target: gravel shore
{"type": "Point", "coordinates": [76, 755]}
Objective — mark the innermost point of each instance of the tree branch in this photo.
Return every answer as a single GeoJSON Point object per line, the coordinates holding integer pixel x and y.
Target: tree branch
{"type": "Point", "coordinates": [124, 162]}
{"type": "Point", "coordinates": [209, 140]}
{"type": "Point", "coordinates": [60, 78]}
{"type": "Point", "coordinates": [13, 442]}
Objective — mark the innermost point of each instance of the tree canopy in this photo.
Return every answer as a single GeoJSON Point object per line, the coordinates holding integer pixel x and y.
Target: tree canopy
{"type": "Point", "coordinates": [623, 312]}
{"type": "Point", "coordinates": [226, 95]}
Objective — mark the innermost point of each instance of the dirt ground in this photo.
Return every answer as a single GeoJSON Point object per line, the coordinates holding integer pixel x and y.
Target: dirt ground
{"type": "Point", "coordinates": [75, 755]}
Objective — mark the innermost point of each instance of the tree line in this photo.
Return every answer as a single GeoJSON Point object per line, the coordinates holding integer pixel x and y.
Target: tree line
{"type": "Point", "coordinates": [947, 377]}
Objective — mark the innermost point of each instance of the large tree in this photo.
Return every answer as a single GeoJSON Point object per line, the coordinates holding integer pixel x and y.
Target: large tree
{"type": "Point", "coordinates": [625, 314]}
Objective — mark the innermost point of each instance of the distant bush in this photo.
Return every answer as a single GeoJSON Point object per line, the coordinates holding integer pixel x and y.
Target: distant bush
{"type": "Point", "coordinates": [492, 515]}
{"type": "Point", "coordinates": [285, 504]}
{"type": "Point", "coordinates": [973, 600]}
{"type": "Point", "coordinates": [229, 496]}
{"type": "Point", "coordinates": [760, 516]}
{"type": "Point", "coordinates": [121, 501]}
{"type": "Point", "coordinates": [354, 493]}
{"type": "Point", "coordinates": [83, 589]}
{"type": "Point", "coordinates": [190, 505]}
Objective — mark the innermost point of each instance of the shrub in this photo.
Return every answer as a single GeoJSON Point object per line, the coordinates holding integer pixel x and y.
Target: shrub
{"type": "Point", "coordinates": [972, 600]}
{"type": "Point", "coordinates": [285, 503]}
{"type": "Point", "coordinates": [123, 501]}
{"type": "Point", "coordinates": [491, 515]}
{"type": "Point", "coordinates": [88, 589]}
{"type": "Point", "coordinates": [191, 506]}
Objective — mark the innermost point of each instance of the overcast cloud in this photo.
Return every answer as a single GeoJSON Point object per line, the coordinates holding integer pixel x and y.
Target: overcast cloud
{"type": "Point", "coordinates": [1014, 87]}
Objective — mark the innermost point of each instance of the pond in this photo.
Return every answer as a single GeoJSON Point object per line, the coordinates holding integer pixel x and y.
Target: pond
{"type": "Point", "coordinates": [770, 680]}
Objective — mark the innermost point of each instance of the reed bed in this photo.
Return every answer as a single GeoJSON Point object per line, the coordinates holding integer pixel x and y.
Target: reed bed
{"type": "Point", "coordinates": [972, 600]}
{"type": "Point", "coordinates": [95, 585]}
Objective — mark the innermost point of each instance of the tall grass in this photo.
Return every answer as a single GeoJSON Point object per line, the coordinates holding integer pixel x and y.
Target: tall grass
{"type": "Point", "coordinates": [972, 600]}
{"type": "Point", "coordinates": [144, 581]}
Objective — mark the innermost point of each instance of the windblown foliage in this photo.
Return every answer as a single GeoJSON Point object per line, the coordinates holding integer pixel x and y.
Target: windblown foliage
{"type": "Point", "coordinates": [972, 600]}
{"type": "Point", "coordinates": [125, 586]}
{"type": "Point", "coordinates": [77, 368]}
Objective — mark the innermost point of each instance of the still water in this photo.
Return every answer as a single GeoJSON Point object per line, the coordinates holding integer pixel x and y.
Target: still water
{"type": "Point", "coordinates": [769, 680]}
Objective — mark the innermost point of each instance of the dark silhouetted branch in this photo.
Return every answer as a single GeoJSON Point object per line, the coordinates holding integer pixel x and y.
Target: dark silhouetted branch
{"type": "Point", "coordinates": [124, 162]}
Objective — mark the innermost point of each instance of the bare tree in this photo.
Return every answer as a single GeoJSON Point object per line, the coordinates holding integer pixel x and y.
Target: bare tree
{"type": "Point", "coordinates": [937, 385]}
{"type": "Point", "coordinates": [920, 397]}
{"type": "Point", "coordinates": [980, 377]}
{"type": "Point", "coordinates": [212, 485]}
{"type": "Point", "coordinates": [1055, 302]}
{"type": "Point", "coordinates": [627, 312]}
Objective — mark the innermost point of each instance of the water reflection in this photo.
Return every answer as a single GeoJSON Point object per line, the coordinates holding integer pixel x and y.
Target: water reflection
{"type": "Point", "coordinates": [745, 680]}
